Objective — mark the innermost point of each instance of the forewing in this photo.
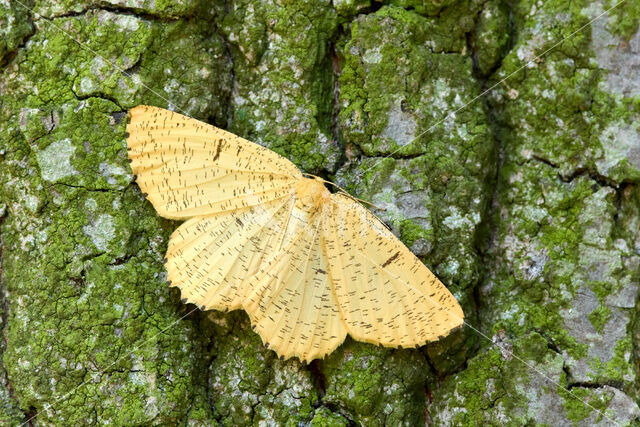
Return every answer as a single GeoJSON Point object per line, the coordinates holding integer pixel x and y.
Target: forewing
{"type": "Point", "coordinates": [291, 303]}
{"type": "Point", "coordinates": [386, 294]}
{"type": "Point", "coordinates": [210, 258]}
{"type": "Point", "coordinates": [189, 168]}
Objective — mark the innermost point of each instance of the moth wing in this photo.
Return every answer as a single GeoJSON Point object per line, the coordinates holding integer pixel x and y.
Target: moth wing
{"type": "Point", "coordinates": [189, 168]}
{"type": "Point", "coordinates": [386, 294]}
{"type": "Point", "coordinates": [291, 303]}
{"type": "Point", "coordinates": [211, 258]}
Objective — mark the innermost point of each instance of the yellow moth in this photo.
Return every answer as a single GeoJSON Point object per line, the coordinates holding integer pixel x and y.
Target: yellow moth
{"type": "Point", "coordinates": [307, 265]}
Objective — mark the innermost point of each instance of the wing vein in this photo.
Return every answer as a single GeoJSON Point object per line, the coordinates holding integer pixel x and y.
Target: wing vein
{"type": "Point", "coordinates": [206, 273]}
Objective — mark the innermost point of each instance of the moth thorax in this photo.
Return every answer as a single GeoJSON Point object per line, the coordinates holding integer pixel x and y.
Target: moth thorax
{"type": "Point", "coordinates": [311, 193]}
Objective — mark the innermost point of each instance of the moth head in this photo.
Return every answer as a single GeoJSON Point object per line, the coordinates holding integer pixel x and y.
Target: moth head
{"type": "Point", "coordinates": [311, 193]}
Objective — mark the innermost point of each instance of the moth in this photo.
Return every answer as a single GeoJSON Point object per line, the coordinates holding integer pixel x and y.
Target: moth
{"type": "Point", "coordinates": [307, 265]}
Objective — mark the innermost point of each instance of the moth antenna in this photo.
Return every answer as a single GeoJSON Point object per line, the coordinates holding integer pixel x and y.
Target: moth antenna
{"type": "Point", "coordinates": [361, 200]}
{"type": "Point", "coordinates": [344, 191]}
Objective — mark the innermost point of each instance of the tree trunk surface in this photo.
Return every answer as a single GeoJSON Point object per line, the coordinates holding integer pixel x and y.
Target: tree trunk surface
{"type": "Point", "coordinates": [501, 139]}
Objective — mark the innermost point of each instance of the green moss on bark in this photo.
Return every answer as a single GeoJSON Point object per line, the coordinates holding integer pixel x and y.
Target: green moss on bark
{"type": "Point", "coordinates": [283, 74]}
{"type": "Point", "coordinates": [380, 387]}
{"type": "Point", "coordinates": [93, 332]}
{"type": "Point", "coordinates": [15, 27]}
{"type": "Point", "coordinates": [248, 385]}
